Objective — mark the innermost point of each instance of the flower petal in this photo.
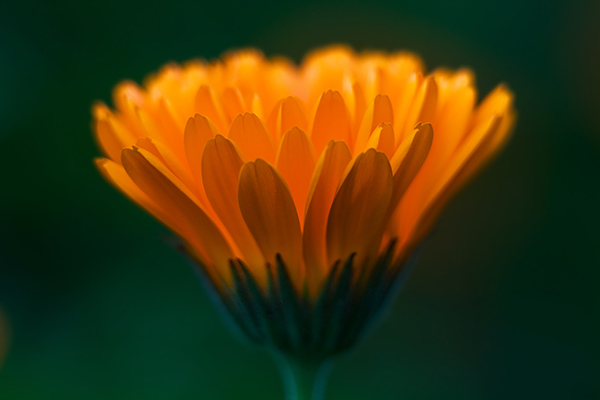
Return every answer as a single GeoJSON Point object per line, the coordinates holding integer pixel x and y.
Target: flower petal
{"type": "Point", "coordinates": [115, 174]}
{"type": "Point", "coordinates": [207, 104]}
{"type": "Point", "coordinates": [251, 136]}
{"type": "Point", "coordinates": [408, 160]}
{"type": "Point", "coordinates": [331, 121]}
{"type": "Point", "coordinates": [178, 166]}
{"type": "Point", "coordinates": [268, 209]}
{"type": "Point", "coordinates": [419, 214]}
{"type": "Point", "coordinates": [355, 222]}
{"type": "Point", "coordinates": [423, 106]}
{"type": "Point", "coordinates": [192, 222]}
{"type": "Point", "coordinates": [111, 134]}
{"type": "Point", "coordinates": [221, 165]}
{"type": "Point", "coordinates": [233, 103]}
{"type": "Point", "coordinates": [198, 131]}
{"type": "Point", "coordinates": [325, 180]}
{"type": "Point", "coordinates": [383, 140]}
{"type": "Point", "coordinates": [296, 161]}
{"type": "Point", "coordinates": [291, 113]}
{"type": "Point", "coordinates": [380, 110]}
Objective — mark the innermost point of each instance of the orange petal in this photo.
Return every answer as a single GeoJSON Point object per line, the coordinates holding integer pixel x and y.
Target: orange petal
{"type": "Point", "coordinates": [221, 165]}
{"type": "Point", "coordinates": [331, 121]}
{"type": "Point", "coordinates": [325, 180]}
{"type": "Point", "coordinates": [495, 103]}
{"type": "Point", "coordinates": [251, 136]}
{"type": "Point", "coordinates": [452, 123]}
{"type": "Point", "coordinates": [403, 105]}
{"type": "Point", "coordinates": [296, 160]}
{"type": "Point", "coordinates": [445, 185]}
{"type": "Point", "coordinates": [176, 165]}
{"type": "Point", "coordinates": [198, 131]}
{"type": "Point", "coordinates": [423, 105]}
{"type": "Point", "coordinates": [408, 160]}
{"type": "Point", "coordinates": [269, 212]}
{"type": "Point", "coordinates": [157, 161]}
{"type": "Point", "coordinates": [207, 104]}
{"type": "Point", "coordinates": [380, 110]}
{"type": "Point", "coordinates": [360, 105]}
{"type": "Point", "coordinates": [383, 140]}
{"type": "Point", "coordinates": [193, 224]}
{"type": "Point", "coordinates": [233, 103]}
{"type": "Point", "coordinates": [355, 222]}
{"type": "Point", "coordinates": [291, 113]}
{"type": "Point", "coordinates": [487, 150]}
{"type": "Point", "coordinates": [111, 134]}
{"type": "Point", "coordinates": [115, 174]}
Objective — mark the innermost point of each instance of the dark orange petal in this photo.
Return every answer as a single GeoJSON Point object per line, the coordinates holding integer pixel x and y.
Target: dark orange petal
{"type": "Point", "coordinates": [221, 165]}
{"type": "Point", "coordinates": [355, 222]}
{"type": "Point", "coordinates": [192, 222]}
{"type": "Point", "coordinates": [268, 209]}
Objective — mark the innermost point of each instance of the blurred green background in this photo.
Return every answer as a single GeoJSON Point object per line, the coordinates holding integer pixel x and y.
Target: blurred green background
{"type": "Point", "coordinates": [503, 303]}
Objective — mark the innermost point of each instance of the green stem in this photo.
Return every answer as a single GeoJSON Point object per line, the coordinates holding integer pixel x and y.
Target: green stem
{"type": "Point", "coordinates": [303, 380]}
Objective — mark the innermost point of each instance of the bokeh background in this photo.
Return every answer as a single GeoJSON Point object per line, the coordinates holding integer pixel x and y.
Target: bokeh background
{"type": "Point", "coordinates": [503, 303]}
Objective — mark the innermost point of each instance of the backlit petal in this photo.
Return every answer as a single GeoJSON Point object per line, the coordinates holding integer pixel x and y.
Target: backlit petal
{"type": "Point", "coordinates": [268, 209]}
{"type": "Point", "coordinates": [296, 160]}
{"type": "Point", "coordinates": [380, 110]}
{"type": "Point", "coordinates": [221, 165]}
{"type": "Point", "coordinates": [331, 121]}
{"type": "Point", "coordinates": [251, 136]}
{"type": "Point", "coordinates": [193, 224]}
{"type": "Point", "coordinates": [324, 183]}
{"type": "Point", "coordinates": [355, 222]}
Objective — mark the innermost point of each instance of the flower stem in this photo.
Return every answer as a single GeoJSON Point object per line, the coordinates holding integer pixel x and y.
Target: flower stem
{"type": "Point", "coordinates": [304, 380]}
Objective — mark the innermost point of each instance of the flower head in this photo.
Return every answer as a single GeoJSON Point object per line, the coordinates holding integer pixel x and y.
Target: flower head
{"type": "Point", "coordinates": [314, 181]}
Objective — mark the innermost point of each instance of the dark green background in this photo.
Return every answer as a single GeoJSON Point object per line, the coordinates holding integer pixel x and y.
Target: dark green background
{"type": "Point", "coordinates": [503, 303]}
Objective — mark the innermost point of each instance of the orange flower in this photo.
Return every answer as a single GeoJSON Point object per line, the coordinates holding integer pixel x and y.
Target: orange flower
{"type": "Point", "coordinates": [255, 162]}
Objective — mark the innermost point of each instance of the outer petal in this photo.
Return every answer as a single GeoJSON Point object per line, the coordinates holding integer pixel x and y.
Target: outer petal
{"type": "Point", "coordinates": [408, 160]}
{"type": "Point", "coordinates": [325, 181]}
{"type": "Point", "coordinates": [221, 165]}
{"type": "Point", "coordinates": [192, 223]}
{"type": "Point", "coordinates": [296, 160]}
{"type": "Point", "coordinates": [357, 214]}
{"type": "Point", "coordinates": [419, 223]}
{"type": "Point", "coordinates": [115, 174]}
{"type": "Point", "coordinates": [178, 166]}
{"type": "Point", "coordinates": [269, 212]}
{"type": "Point", "coordinates": [111, 134]}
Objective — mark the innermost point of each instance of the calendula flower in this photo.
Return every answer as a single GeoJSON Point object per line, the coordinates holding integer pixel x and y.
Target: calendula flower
{"type": "Point", "coordinates": [300, 191]}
